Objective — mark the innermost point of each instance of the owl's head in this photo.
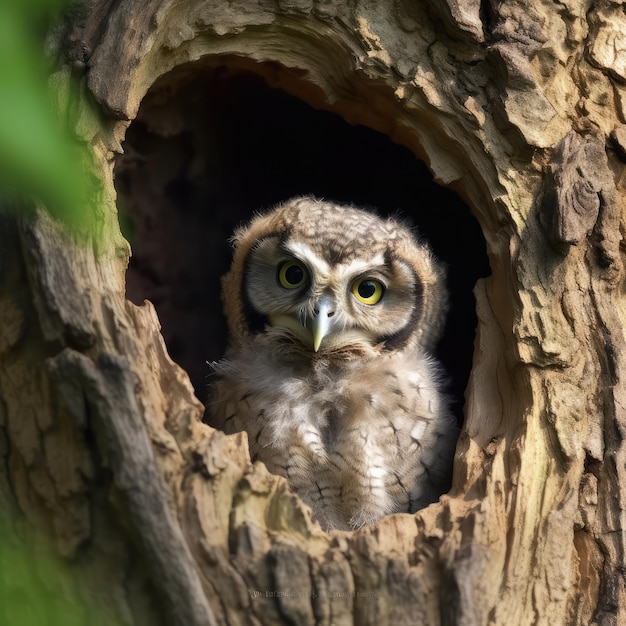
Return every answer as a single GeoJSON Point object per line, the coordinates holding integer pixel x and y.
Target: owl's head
{"type": "Point", "coordinates": [332, 276]}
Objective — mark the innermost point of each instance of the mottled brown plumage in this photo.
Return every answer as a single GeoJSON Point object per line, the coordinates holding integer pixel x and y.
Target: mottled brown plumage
{"type": "Point", "coordinates": [332, 314]}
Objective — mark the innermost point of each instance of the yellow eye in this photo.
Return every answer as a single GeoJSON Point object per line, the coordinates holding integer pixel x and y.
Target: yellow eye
{"type": "Point", "coordinates": [292, 274]}
{"type": "Point", "coordinates": [368, 290]}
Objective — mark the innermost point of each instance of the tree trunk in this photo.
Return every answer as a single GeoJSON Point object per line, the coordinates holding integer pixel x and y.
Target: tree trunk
{"type": "Point", "coordinates": [516, 106]}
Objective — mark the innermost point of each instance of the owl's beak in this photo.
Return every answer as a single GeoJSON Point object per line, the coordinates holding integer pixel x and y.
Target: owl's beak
{"type": "Point", "coordinates": [322, 322]}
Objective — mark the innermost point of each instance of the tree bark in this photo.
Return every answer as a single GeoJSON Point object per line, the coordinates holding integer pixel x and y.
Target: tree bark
{"type": "Point", "coordinates": [517, 106]}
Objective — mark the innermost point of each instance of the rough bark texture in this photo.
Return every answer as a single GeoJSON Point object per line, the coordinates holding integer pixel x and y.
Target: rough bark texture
{"type": "Point", "coordinates": [519, 107]}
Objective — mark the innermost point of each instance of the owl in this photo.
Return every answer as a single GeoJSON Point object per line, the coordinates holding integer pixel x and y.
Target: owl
{"type": "Point", "coordinates": [333, 313]}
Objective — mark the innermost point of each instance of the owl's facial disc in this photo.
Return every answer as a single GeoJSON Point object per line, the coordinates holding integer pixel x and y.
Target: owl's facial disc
{"type": "Point", "coordinates": [327, 305]}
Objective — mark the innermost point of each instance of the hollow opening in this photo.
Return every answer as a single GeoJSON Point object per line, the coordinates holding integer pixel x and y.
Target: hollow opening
{"type": "Point", "coordinates": [212, 146]}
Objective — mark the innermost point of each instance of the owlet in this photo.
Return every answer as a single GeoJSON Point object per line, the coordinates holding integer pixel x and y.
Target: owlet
{"type": "Point", "coordinates": [333, 313]}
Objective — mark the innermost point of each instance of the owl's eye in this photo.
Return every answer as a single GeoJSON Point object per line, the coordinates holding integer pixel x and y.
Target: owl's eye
{"type": "Point", "coordinates": [291, 274]}
{"type": "Point", "coordinates": [368, 290]}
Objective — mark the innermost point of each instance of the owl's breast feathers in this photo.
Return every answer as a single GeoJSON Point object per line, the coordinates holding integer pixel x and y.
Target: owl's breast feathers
{"type": "Point", "coordinates": [356, 438]}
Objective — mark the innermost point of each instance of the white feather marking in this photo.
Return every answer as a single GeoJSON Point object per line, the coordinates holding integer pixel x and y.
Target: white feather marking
{"type": "Point", "coordinates": [358, 266]}
{"type": "Point", "coordinates": [417, 432]}
{"type": "Point", "coordinates": [304, 253]}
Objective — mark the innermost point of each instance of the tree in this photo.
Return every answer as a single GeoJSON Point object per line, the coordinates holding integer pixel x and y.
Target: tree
{"type": "Point", "coordinates": [516, 106]}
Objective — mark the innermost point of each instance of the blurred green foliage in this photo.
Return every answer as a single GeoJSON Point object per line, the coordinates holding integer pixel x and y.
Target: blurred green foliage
{"type": "Point", "coordinates": [39, 160]}
{"type": "Point", "coordinates": [38, 157]}
{"type": "Point", "coordinates": [34, 591]}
